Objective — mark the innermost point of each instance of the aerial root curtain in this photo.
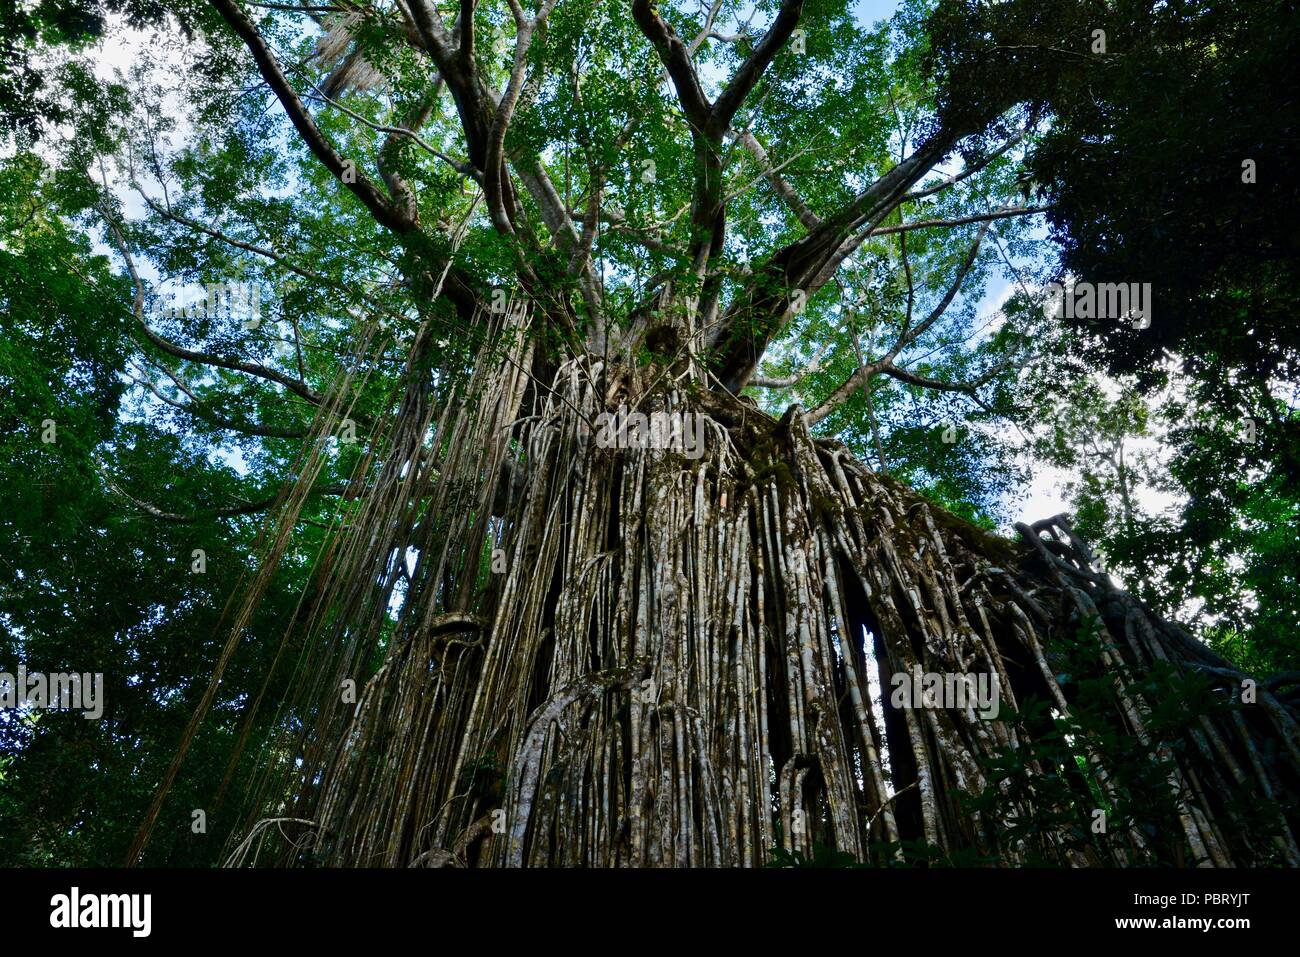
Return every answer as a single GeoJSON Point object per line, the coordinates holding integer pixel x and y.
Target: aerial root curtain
{"type": "Point", "coordinates": [626, 656]}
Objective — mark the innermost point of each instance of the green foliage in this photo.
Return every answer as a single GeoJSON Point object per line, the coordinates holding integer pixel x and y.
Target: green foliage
{"type": "Point", "coordinates": [1048, 786]}
{"type": "Point", "coordinates": [90, 584]}
{"type": "Point", "coordinates": [1192, 510]}
{"type": "Point", "coordinates": [822, 856]}
{"type": "Point", "coordinates": [1143, 165]}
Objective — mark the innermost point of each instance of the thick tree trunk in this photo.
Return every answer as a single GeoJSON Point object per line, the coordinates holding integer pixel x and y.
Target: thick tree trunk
{"type": "Point", "coordinates": [627, 656]}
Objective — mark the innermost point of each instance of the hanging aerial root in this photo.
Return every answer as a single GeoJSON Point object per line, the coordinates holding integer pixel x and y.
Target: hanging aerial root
{"type": "Point", "coordinates": [643, 651]}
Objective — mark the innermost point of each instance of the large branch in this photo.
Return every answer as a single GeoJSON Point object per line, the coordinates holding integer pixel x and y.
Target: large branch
{"type": "Point", "coordinates": [761, 309]}
{"type": "Point", "coordinates": [384, 212]}
{"type": "Point", "coordinates": [676, 58]}
{"type": "Point", "coordinates": [759, 312]}
{"type": "Point", "coordinates": [780, 185]}
{"type": "Point", "coordinates": [747, 77]}
{"type": "Point", "coordinates": [944, 385]}
{"type": "Point", "coordinates": [709, 122]}
{"type": "Point", "coordinates": [427, 25]}
{"type": "Point", "coordinates": [475, 99]}
{"type": "Point", "coordinates": [971, 169]}
{"type": "Point", "coordinates": [494, 171]}
{"type": "Point", "coordinates": [467, 30]}
{"type": "Point", "coordinates": [474, 102]}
